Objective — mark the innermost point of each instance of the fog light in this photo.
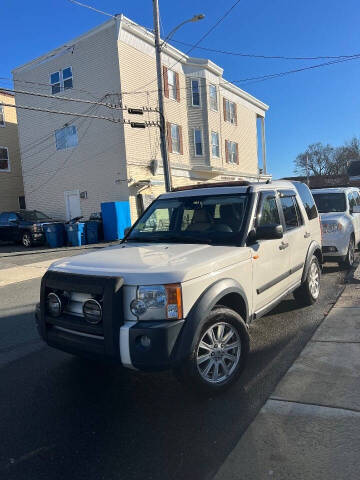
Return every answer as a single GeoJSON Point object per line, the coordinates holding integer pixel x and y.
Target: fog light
{"type": "Point", "coordinates": [54, 305]}
{"type": "Point", "coordinates": [145, 341]}
{"type": "Point", "coordinates": [138, 307]}
{"type": "Point", "coordinates": [92, 311]}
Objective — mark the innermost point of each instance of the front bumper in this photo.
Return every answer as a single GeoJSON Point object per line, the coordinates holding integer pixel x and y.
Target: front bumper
{"type": "Point", "coordinates": [146, 345]}
{"type": "Point", "coordinates": [335, 244]}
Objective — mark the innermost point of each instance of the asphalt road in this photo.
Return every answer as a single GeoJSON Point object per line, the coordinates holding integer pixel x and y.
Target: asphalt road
{"type": "Point", "coordinates": [64, 418]}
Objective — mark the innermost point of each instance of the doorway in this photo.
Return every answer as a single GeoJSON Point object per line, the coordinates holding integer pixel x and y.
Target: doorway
{"type": "Point", "coordinates": [72, 204]}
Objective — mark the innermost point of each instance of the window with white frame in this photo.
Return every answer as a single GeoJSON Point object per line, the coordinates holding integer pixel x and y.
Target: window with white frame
{"type": "Point", "coordinates": [198, 142]}
{"type": "Point", "coordinates": [213, 97]}
{"type": "Point", "coordinates": [195, 93]}
{"type": "Point", "coordinates": [172, 84]}
{"type": "Point", "coordinates": [230, 111]}
{"type": "Point", "coordinates": [231, 152]}
{"type": "Point", "coordinates": [4, 160]}
{"type": "Point", "coordinates": [175, 138]}
{"type": "Point", "coordinates": [66, 137]}
{"type": "Point", "coordinates": [61, 80]}
{"type": "Point", "coordinates": [2, 116]}
{"type": "Point", "coordinates": [215, 148]}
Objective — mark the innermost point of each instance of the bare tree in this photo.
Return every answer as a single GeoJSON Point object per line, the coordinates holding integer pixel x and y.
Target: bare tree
{"type": "Point", "coordinates": [317, 158]}
{"type": "Point", "coordinates": [327, 160]}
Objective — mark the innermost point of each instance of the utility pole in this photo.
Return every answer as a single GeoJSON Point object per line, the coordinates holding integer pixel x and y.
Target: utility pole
{"type": "Point", "coordinates": [307, 170]}
{"type": "Point", "coordinates": [163, 145]}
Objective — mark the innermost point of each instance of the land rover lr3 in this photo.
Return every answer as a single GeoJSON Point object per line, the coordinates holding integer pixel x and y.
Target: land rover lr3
{"type": "Point", "coordinates": [181, 289]}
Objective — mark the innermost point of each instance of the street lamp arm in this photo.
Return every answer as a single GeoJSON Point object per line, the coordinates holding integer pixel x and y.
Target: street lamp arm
{"type": "Point", "coordinates": [195, 18]}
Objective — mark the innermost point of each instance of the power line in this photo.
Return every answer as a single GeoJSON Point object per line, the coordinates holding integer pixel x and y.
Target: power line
{"type": "Point", "coordinates": [91, 8]}
{"type": "Point", "coordinates": [206, 34]}
{"type": "Point", "coordinates": [297, 70]}
{"type": "Point", "coordinates": [47, 85]}
{"type": "Point", "coordinates": [25, 107]}
{"type": "Point", "coordinates": [57, 97]}
{"type": "Point", "coordinates": [271, 57]}
{"type": "Point", "coordinates": [100, 117]}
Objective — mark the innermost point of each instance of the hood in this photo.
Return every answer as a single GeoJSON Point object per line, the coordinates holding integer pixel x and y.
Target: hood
{"type": "Point", "coordinates": [149, 263]}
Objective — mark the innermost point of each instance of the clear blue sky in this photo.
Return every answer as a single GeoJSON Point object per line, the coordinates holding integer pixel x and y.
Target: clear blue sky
{"type": "Point", "coordinates": [316, 105]}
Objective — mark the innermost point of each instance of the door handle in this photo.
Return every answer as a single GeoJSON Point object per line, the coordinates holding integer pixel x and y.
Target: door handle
{"type": "Point", "coordinates": [283, 245]}
{"type": "Point", "coordinates": [307, 234]}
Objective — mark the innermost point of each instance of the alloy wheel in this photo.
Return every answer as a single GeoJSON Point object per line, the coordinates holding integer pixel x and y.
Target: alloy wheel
{"type": "Point", "coordinates": [218, 353]}
{"type": "Point", "coordinates": [26, 240]}
{"type": "Point", "coordinates": [314, 280]}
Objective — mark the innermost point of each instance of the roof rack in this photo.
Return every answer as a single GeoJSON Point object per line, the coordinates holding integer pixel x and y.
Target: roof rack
{"type": "Point", "coordinates": [242, 183]}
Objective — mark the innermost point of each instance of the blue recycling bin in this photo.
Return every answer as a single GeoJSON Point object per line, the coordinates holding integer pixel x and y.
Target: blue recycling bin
{"type": "Point", "coordinates": [116, 217]}
{"type": "Point", "coordinates": [55, 235]}
{"type": "Point", "coordinates": [76, 234]}
{"type": "Point", "coordinates": [92, 232]}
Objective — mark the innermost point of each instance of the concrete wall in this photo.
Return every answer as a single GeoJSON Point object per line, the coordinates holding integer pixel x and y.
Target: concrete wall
{"type": "Point", "coordinates": [11, 184]}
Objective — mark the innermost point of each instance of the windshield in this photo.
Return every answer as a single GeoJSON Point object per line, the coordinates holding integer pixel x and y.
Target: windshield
{"type": "Point", "coordinates": [330, 202]}
{"type": "Point", "coordinates": [33, 216]}
{"type": "Point", "coordinates": [199, 219]}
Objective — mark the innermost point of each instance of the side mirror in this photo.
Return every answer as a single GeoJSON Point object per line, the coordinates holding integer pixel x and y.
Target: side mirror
{"type": "Point", "coordinates": [355, 209]}
{"type": "Point", "coordinates": [269, 232]}
{"type": "Point", "coordinates": [126, 231]}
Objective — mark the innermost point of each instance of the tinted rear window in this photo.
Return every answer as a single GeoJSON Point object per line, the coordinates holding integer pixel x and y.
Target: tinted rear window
{"type": "Point", "coordinates": [307, 199]}
{"type": "Point", "coordinates": [330, 202]}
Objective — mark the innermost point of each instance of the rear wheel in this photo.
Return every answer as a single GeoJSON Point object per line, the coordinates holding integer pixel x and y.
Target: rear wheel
{"type": "Point", "coordinates": [26, 240]}
{"type": "Point", "coordinates": [309, 291]}
{"type": "Point", "coordinates": [219, 354]}
{"type": "Point", "coordinates": [348, 262]}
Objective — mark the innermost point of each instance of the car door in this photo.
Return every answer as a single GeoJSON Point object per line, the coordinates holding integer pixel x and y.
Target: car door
{"type": "Point", "coordinates": [297, 234]}
{"type": "Point", "coordinates": [13, 227]}
{"type": "Point", "coordinates": [3, 226]}
{"type": "Point", "coordinates": [354, 200]}
{"type": "Point", "coordinates": [270, 256]}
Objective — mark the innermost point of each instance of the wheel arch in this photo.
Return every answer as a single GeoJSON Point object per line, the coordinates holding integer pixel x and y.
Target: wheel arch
{"type": "Point", "coordinates": [226, 293]}
{"type": "Point", "coordinates": [314, 249]}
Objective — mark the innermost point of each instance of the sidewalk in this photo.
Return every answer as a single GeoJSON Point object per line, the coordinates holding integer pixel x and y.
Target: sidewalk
{"type": "Point", "coordinates": [309, 429]}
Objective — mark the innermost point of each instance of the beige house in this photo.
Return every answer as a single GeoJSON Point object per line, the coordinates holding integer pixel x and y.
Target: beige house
{"type": "Point", "coordinates": [11, 184]}
{"type": "Point", "coordinates": [214, 129]}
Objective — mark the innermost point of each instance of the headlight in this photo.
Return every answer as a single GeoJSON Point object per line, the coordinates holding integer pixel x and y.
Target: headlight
{"type": "Point", "coordinates": [54, 304]}
{"type": "Point", "coordinates": [92, 311]}
{"type": "Point", "coordinates": [331, 227]}
{"type": "Point", "coordinates": [158, 302]}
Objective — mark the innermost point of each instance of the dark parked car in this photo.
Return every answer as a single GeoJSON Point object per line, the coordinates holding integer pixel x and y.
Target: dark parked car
{"type": "Point", "coordinates": [24, 226]}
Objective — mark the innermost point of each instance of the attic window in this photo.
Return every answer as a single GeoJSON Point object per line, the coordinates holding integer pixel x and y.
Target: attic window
{"type": "Point", "coordinates": [61, 80]}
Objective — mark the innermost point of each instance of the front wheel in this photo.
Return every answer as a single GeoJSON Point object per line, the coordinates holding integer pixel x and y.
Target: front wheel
{"type": "Point", "coordinates": [308, 293]}
{"type": "Point", "coordinates": [26, 240]}
{"type": "Point", "coordinates": [348, 262]}
{"type": "Point", "coordinates": [219, 354]}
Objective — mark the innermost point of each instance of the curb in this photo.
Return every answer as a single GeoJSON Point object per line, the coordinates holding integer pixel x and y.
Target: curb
{"type": "Point", "coordinates": [61, 249]}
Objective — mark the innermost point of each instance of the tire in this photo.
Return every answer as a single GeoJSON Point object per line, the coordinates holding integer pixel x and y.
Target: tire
{"type": "Point", "coordinates": [26, 240]}
{"type": "Point", "coordinates": [222, 364]}
{"type": "Point", "coordinates": [308, 293]}
{"type": "Point", "coordinates": [348, 262]}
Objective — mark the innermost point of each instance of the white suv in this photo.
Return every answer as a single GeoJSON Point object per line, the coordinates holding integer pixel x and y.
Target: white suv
{"type": "Point", "coordinates": [193, 272]}
{"type": "Point", "coordinates": [339, 210]}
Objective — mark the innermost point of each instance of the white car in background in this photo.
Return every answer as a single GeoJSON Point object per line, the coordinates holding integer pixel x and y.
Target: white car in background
{"type": "Point", "coordinates": [339, 210]}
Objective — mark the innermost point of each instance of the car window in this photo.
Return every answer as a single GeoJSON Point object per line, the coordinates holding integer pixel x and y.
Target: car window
{"type": "Point", "coordinates": [291, 212]}
{"type": "Point", "coordinates": [330, 202]}
{"type": "Point", "coordinates": [357, 197]}
{"type": "Point", "coordinates": [307, 199]}
{"type": "Point", "coordinates": [352, 201]}
{"type": "Point", "coordinates": [12, 216]}
{"type": "Point", "coordinates": [268, 213]}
